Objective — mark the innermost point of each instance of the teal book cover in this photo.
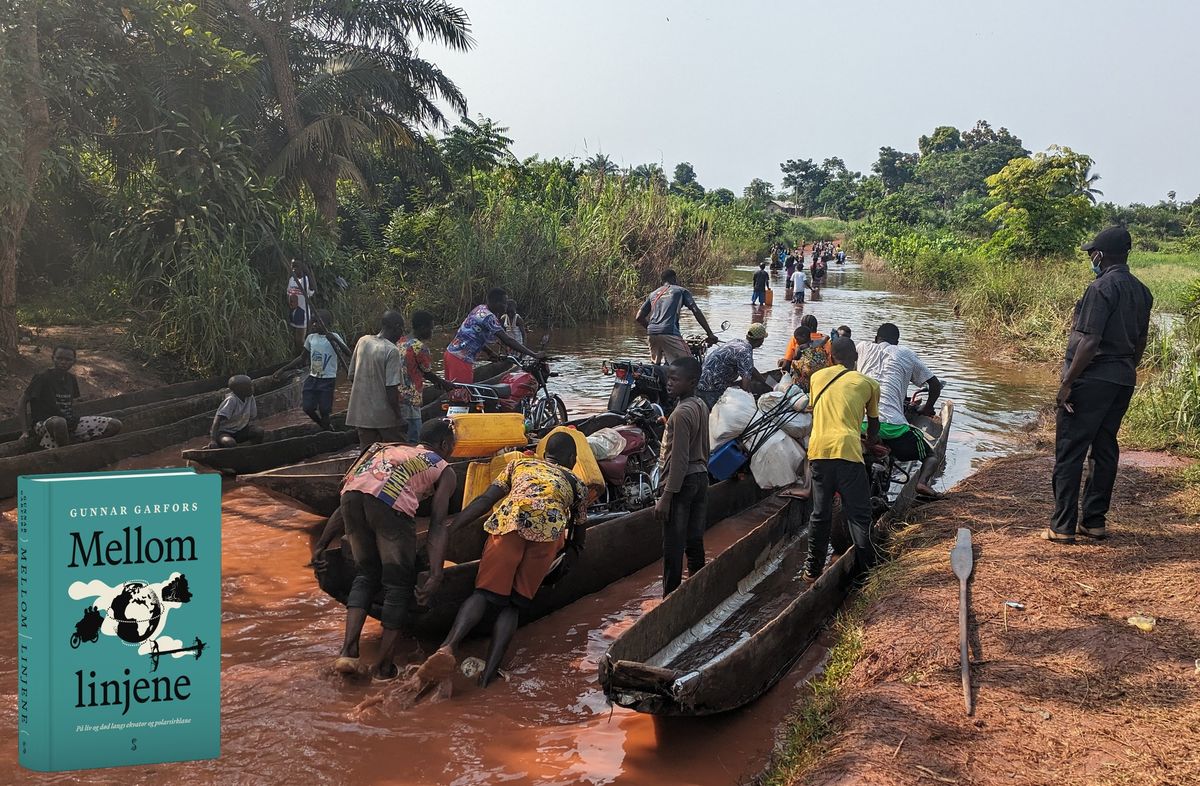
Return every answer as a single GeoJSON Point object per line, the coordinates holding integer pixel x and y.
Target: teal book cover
{"type": "Point", "coordinates": [119, 618]}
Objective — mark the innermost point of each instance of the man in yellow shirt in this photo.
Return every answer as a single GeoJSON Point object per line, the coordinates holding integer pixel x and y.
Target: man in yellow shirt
{"type": "Point", "coordinates": [840, 396]}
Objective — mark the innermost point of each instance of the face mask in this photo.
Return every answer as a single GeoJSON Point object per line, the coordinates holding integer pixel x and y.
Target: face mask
{"type": "Point", "coordinates": [1096, 269]}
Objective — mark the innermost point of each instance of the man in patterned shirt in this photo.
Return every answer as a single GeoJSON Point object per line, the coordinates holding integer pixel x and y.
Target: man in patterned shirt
{"type": "Point", "coordinates": [480, 328]}
{"type": "Point", "coordinates": [731, 364]}
{"type": "Point", "coordinates": [380, 497]}
{"type": "Point", "coordinates": [417, 367]}
{"type": "Point", "coordinates": [544, 507]}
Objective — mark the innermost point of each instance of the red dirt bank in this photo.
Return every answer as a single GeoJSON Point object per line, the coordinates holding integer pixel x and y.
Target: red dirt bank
{"type": "Point", "coordinates": [1067, 692]}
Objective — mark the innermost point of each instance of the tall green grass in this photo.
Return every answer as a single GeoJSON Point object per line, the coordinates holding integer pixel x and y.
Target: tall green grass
{"type": "Point", "coordinates": [1170, 276]}
{"type": "Point", "coordinates": [566, 253]}
{"type": "Point", "coordinates": [1165, 412]}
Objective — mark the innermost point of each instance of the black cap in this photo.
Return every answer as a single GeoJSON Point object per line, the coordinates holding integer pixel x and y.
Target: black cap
{"type": "Point", "coordinates": [1114, 240]}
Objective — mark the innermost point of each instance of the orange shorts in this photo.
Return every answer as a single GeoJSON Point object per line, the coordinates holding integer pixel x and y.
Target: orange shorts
{"type": "Point", "coordinates": [513, 567]}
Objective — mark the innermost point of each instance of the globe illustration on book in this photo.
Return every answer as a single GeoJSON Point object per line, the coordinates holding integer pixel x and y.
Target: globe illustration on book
{"type": "Point", "coordinates": [137, 610]}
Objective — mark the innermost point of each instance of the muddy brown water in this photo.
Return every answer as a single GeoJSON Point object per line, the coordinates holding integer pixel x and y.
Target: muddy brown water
{"type": "Point", "coordinates": [287, 718]}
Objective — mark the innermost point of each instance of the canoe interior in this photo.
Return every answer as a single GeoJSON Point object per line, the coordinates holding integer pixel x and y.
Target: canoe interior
{"type": "Point", "coordinates": [729, 633]}
{"type": "Point", "coordinates": [98, 454]}
{"type": "Point", "coordinates": [280, 446]}
{"type": "Point", "coordinates": [614, 549]}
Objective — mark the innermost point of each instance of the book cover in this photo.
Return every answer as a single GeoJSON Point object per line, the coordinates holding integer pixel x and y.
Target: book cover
{"type": "Point", "coordinates": [119, 618]}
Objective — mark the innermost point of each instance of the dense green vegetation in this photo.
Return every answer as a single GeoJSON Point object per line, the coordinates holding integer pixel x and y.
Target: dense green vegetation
{"type": "Point", "coordinates": [162, 162]}
{"type": "Point", "coordinates": [1000, 236]}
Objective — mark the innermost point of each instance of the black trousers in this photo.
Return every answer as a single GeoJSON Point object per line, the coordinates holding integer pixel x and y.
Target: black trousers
{"type": "Point", "coordinates": [849, 480]}
{"type": "Point", "coordinates": [384, 542]}
{"type": "Point", "coordinates": [1099, 407]}
{"type": "Point", "coordinates": [684, 530]}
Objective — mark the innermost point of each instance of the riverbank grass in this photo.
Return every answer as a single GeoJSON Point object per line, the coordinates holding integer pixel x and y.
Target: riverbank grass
{"type": "Point", "coordinates": [1170, 276]}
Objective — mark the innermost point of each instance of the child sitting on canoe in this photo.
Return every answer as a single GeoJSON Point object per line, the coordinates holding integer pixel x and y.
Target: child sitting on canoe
{"type": "Point", "coordinates": [544, 508]}
{"type": "Point", "coordinates": [322, 348]}
{"type": "Point", "coordinates": [234, 422]}
{"type": "Point", "coordinates": [47, 407]}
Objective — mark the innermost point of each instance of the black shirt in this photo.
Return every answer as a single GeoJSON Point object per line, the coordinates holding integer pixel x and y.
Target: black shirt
{"type": "Point", "coordinates": [50, 394]}
{"type": "Point", "coordinates": [760, 281]}
{"type": "Point", "coordinates": [1116, 306]}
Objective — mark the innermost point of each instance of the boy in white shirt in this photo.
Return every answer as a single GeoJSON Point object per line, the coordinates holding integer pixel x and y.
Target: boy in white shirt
{"type": "Point", "coordinates": [798, 282]}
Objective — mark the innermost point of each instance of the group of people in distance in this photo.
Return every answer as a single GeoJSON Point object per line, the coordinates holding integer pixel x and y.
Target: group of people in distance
{"type": "Point", "coordinates": [791, 261]}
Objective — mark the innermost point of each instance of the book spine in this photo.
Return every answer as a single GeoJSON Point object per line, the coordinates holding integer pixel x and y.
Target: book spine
{"type": "Point", "coordinates": [33, 625]}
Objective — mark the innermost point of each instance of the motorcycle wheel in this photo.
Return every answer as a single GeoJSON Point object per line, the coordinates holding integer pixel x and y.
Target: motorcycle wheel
{"type": "Point", "coordinates": [75, 640]}
{"type": "Point", "coordinates": [547, 414]}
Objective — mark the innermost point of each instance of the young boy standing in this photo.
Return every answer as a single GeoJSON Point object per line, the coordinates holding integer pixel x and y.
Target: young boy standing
{"type": "Point", "coordinates": [322, 348]}
{"type": "Point", "coordinates": [683, 507]}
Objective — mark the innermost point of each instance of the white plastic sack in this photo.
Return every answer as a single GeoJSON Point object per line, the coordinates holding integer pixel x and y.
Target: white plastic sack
{"type": "Point", "coordinates": [729, 417]}
{"type": "Point", "coordinates": [606, 443]}
{"type": "Point", "coordinates": [797, 398]}
{"type": "Point", "coordinates": [794, 421]}
{"type": "Point", "coordinates": [777, 462]}
{"type": "Point", "coordinates": [785, 382]}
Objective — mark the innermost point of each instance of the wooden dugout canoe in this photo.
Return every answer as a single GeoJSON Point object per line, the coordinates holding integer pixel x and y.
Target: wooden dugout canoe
{"type": "Point", "coordinates": [614, 549]}
{"type": "Point", "coordinates": [147, 416]}
{"type": "Point", "coordinates": [730, 632]}
{"type": "Point", "coordinates": [280, 446]}
{"type": "Point", "coordinates": [97, 454]}
{"type": "Point", "coordinates": [11, 428]}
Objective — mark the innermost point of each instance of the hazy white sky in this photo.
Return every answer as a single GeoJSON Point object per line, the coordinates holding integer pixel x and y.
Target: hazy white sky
{"type": "Point", "coordinates": [738, 86]}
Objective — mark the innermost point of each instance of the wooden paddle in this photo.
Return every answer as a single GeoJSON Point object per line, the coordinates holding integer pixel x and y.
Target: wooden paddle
{"type": "Point", "coordinates": [962, 560]}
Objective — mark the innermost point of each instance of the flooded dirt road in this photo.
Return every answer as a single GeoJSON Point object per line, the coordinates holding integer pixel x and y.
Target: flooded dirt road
{"type": "Point", "coordinates": [287, 718]}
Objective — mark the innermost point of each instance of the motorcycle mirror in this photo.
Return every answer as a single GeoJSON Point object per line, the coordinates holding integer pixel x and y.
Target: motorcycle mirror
{"type": "Point", "coordinates": [725, 325]}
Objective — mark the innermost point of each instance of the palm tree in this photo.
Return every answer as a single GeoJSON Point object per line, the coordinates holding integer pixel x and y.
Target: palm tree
{"type": "Point", "coordinates": [601, 165]}
{"type": "Point", "coordinates": [1086, 182]}
{"type": "Point", "coordinates": [345, 79]}
{"type": "Point", "coordinates": [476, 146]}
{"type": "Point", "coordinates": [649, 176]}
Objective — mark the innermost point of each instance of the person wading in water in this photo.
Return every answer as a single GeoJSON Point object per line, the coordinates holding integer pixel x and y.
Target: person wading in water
{"type": "Point", "coordinates": [659, 314]}
{"type": "Point", "coordinates": [380, 497]}
{"type": "Point", "coordinates": [542, 506]}
{"type": "Point", "coordinates": [682, 510]}
{"type": "Point", "coordinates": [1108, 338]}
{"type": "Point", "coordinates": [762, 282]}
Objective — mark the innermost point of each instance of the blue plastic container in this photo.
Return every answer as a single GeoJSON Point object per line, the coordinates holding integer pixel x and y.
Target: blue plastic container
{"type": "Point", "coordinates": [726, 460]}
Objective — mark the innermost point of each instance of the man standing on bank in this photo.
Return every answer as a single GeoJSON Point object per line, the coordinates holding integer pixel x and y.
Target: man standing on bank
{"type": "Point", "coordinates": [840, 398]}
{"type": "Point", "coordinates": [1108, 337]}
{"type": "Point", "coordinates": [659, 314]}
